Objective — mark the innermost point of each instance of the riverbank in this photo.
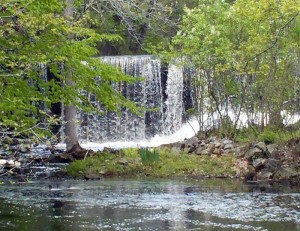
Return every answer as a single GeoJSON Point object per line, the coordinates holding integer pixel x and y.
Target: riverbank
{"type": "Point", "coordinates": [192, 158]}
{"type": "Point", "coordinates": [206, 158]}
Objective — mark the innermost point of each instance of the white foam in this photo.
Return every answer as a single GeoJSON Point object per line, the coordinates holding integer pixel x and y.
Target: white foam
{"type": "Point", "coordinates": [186, 131]}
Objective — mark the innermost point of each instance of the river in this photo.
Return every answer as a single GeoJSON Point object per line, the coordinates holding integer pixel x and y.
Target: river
{"type": "Point", "coordinates": [177, 204]}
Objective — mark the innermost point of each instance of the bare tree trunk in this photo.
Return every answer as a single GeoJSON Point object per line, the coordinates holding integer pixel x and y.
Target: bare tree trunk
{"type": "Point", "coordinates": [71, 140]}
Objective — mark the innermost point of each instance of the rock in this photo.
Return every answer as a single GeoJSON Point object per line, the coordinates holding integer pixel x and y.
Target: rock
{"type": "Point", "coordinates": [262, 146]}
{"type": "Point", "coordinates": [212, 139]}
{"type": "Point", "coordinates": [202, 143]}
{"type": "Point", "coordinates": [264, 175]}
{"type": "Point", "coordinates": [258, 164]}
{"type": "Point", "coordinates": [278, 155]}
{"type": "Point", "coordinates": [242, 150]}
{"type": "Point", "coordinates": [122, 161]}
{"type": "Point", "coordinates": [192, 149]}
{"type": "Point", "coordinates": [272, 147]}
{"type": "Point", "coordinates": [209, 150]}
{"type": "Point", "coordinates": [226, 141]}
{"type": "Point", "coordinates": [251, 176]}
{"type": "Point", "coordinates": [228, 146]}
{"type": "Point", "coordinates": [10, 163]}
{"type": "Point", "coordinates": [3, 162]}
{"type": "Point", "coordinates": [272, 165]}
{"type": "Point", "coordinates": [285, 173]}
{"type": "Point", "coordinates": [92, 176]}
{"type": "Point", "coordinates": [216, 151]}
{"type": "Point", "coordinates": [266, 165]}
{"type": "Point", "coordinates": [191, 142]}
{"type": "Point", "coordinates": [217, 144]}
{"type": "Point", "coordinates": [61, 158]}
{"type": "Point", "coordinates": [255, 153]}
{"type": "Point", "coordinates": [199, 150]}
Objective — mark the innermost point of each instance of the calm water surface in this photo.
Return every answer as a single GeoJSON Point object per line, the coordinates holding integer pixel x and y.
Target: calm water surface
{"type": "Point", "coordinates": [208, 205]}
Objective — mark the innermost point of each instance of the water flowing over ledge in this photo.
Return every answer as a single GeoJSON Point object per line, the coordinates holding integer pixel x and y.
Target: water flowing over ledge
{"type": "Point", "coordinates": [187, 130]}
{"type": "Point", "coordinates": [160, 91]}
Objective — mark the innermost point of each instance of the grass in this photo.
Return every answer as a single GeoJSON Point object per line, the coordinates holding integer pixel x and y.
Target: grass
{"type": "Point", "coordinates": [130, 163]}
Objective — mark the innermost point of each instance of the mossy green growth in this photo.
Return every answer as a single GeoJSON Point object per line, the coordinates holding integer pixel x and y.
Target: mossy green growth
{"type": "Point", "coordinates": [129, 163]}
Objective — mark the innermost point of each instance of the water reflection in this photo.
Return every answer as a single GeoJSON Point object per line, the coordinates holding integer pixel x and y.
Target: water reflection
{"type": "Point", "coordinates": [148, 205]}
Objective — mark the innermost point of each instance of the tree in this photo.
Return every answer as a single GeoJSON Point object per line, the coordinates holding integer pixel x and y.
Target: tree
{"type": "Point", "coordinates": [39, 34]}
{"type": "Point", "coordinates": [142, 24]}
{"type": "Point", "coordinates": [246, 54]}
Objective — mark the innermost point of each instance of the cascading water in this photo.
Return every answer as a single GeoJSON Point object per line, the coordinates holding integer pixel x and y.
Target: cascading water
{"type": "Point", "coordinates": [164, 115]}
{"type": "Point", "coordinates": [174, 102]}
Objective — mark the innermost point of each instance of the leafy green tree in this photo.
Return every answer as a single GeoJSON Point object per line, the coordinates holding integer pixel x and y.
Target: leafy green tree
{"type": "Point", "coordinates": [39, 34]}
{"type": "Point", "coordinates": [145, 25]}
{"type": "Point", "coordinates": [246, 55]}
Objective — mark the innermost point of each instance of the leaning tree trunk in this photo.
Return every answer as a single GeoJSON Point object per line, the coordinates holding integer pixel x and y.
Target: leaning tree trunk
{"type": "Point", "coordinates": [71, 139]}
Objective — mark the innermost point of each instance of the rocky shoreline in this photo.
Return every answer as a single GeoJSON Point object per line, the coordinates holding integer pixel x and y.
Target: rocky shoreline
{"type": "Point", "coordinates": [254, 162]}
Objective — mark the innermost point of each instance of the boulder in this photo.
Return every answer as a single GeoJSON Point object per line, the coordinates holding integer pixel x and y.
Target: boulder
{"type": "Point", "coordinates": [191, 142]}
{"type": "Point", "coordinates": [217, 144]}
{"type": "Point", "coordinates": [242, 150]}
{"type": "Point", "coordinates": [272, 147]}
{"type": "Point", "coordinates": [209, 149]}
{"type": "Point", "coordinates": [278, 155]}
{"type": "Point", "coordinates": [228, 146]}
{"type": "Point", "coordinates": [199, 150]}
{"type": "Point", "coordinates": [262, 146]}
{"type": "Point", "coordinates": [216, 151]}
{"type": "Point", "coordinates": [202, 143]}
{"type": "Point", "coordinates": [272, 165]}
{"type": "Point", "coordinates": [258, 164]}
{"type": "Point", "coordinates": [264, 175]}
{"type": "Point", "coordinates": [255, 153]}
{"type": "Point", "coordinates": [286, 172]}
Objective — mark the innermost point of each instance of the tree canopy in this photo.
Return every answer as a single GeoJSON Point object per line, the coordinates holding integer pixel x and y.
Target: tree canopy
{"type": "Point", "coordinates": [35, 37]}
{"type": "Point", "coordinates": [246, 55]}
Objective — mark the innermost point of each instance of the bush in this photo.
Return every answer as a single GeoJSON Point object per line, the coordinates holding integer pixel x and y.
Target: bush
{"type": "Point", "coordinates": [268, 136]}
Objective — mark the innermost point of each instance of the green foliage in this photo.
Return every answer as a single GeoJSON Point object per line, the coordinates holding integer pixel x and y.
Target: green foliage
{"type": "Point", "coordinates": [268, 136]}
{"type": "Point", "coordinates": [148, 156]}
{"type": "Point", "coordinates": [35, 35]}
{"type": "Point", "coordinates": [246, 49]}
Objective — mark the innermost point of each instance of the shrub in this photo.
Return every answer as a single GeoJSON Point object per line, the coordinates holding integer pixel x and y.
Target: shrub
{"type": "Point", "coordinates": [268, 136]}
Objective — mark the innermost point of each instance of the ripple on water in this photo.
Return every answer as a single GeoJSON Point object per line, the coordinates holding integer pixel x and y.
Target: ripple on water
{"type": "Point", "coordinates": [130, 205]}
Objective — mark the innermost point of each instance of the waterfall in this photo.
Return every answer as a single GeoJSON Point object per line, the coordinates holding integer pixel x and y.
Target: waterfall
{"type": "Point", "coordinates": [174, 102]}
{"type": "Point", "coordinates": [164, 102]}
